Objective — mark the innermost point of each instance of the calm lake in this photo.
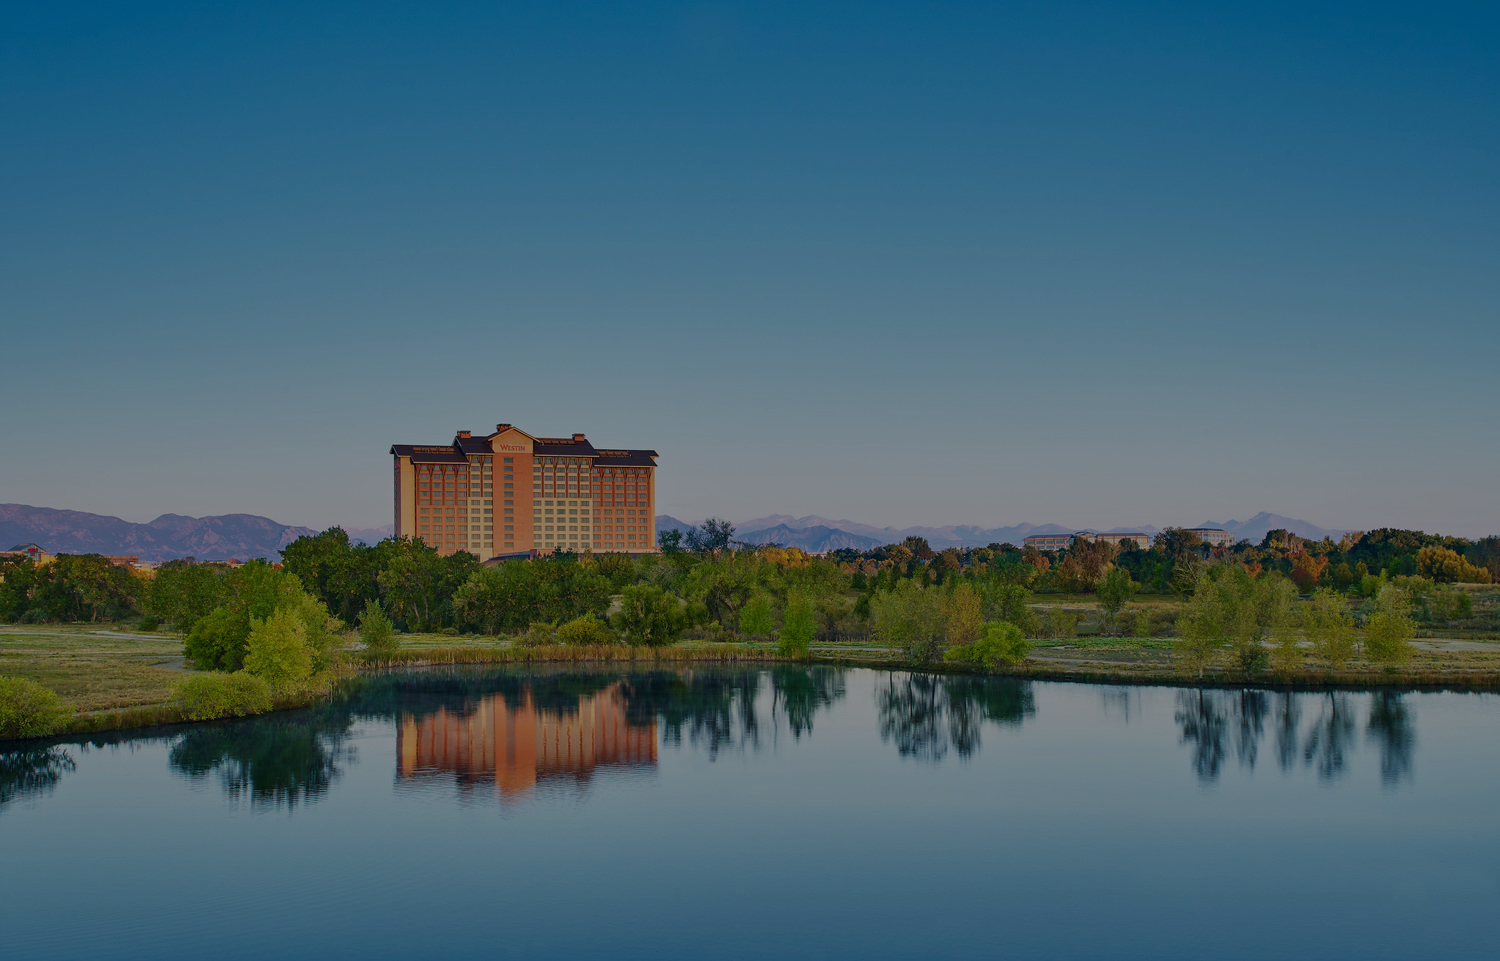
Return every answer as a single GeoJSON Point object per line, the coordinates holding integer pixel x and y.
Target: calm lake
{"type": "Point", "coordinates": [767, 812]}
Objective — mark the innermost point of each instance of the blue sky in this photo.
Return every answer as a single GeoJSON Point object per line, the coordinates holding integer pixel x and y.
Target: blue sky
{"type": "Point", "coordinates": [1091, 264]}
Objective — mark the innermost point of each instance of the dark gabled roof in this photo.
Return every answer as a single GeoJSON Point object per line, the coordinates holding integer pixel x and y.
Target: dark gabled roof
{"type": "Point", "coordinates": [625, 458]}
{"type": "Point", "coordinates": [421, 454]}
{"type": "Point", "coordinates": [562, 447]}
{"type": "Point", "coordinates": [474, 445]}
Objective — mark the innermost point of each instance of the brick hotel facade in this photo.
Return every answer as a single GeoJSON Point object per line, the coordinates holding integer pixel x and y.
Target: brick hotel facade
{"type": "Point", "coordinates": [511, 492]}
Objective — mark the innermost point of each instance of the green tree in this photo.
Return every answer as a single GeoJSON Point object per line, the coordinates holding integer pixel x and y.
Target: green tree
{"type": "Point", "coordinates": [296, 646]}
{"type": "Point", "coordinates": [1329, 628]}
{"type": "Point", "coordinates": [217, 641]}
{"type": "Point", "coordinates": [278, 651]}
{"type": "Point", "coordinates": [800, 625]}
{"type": "Point", "coordinates": [1178, 544]}
{"type": "Point", "coordinates": [500, 598]}
{"type": "Point", "coordinates": [757, 617]}
{"type": "Point", "coordinates": [183, 592]}
{"type": "Point", "coordinates": [1114, 592]}
{"type": "Point", "coordinates": [378, 635]}
{"type": "Point", "coordinates": [649, 615]}
{"type": "Point", "coordinates": [1390, 630]}
{"type": "Point", "coordinates": [411, 583]}
{"type": "Point", "coordinates": [1275, 622]}
{"type": "Point", "coordinates": [1186, 573]}
{"type": "Point", "coordinates": [963, 618]}
{"type": "Point", "coordinates": [1231, 608]}
{"type": "Point", "coordinates": [910, 619]}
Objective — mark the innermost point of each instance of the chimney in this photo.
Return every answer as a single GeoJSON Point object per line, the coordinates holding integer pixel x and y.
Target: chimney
{"type": "Point", "coordinates": [465, 435]}
{"type": "Point", "coordinates": [501, 428]}
{"type": "Point", "coordinates": [577, 438]}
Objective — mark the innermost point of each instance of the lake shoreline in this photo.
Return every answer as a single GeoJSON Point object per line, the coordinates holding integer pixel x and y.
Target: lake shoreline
{"type": "Point", "coordinates": [166, 714]}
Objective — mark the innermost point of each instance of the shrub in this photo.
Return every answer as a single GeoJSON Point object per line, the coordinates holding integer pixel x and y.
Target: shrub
{"type": "Point", "coordinates": [204, 697]}
{"type": "Point", "coordinates": [537, 635]}
{"type": "Point", "coordinates": [381, 643]}
{"type": "Point", "coordinates": [649, 615]}
{"type": "Point", "coordinates": [29, 710]}
{"type": "Point", "coordinates": [149, 623]}
{"type": "Point", "coordinates": [1002, 643]}
{"type": "Point", "coordinates": [1061, 623]}
{"type": "Point", "coordinates": [217, 640]}
{"type": "Point", "coordinates": [587, 629]}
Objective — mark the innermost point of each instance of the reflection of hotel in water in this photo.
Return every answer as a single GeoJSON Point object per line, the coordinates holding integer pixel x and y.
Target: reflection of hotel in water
{"type": "Point", "coordinates": [515, 747]}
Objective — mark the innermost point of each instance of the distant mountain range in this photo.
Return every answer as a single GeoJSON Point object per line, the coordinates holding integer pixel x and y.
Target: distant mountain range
{"type": "Point", "coordinates": [245, 536]}
{"type": "Point", "coordinates": [170, 536]}
{"type": "Point", "coordinates": [370, 535]}
{"type": "Point", "coordinates": [817, 534]}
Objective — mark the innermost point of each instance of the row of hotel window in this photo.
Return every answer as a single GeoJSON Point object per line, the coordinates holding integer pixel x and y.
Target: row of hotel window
{"type": "Point", "coordinates": [623, 528]}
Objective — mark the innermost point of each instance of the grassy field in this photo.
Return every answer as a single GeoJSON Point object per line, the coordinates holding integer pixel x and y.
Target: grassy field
{"type": "Point", "coordinates": [93, 668]}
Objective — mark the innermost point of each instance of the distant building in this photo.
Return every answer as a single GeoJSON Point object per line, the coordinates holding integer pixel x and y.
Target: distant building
{"type": "Point", "coordinates": [122, 560]}
{"type": "Point", "coordinates": [509, 492]}
{"type": "Point", "coordinates": [1115, 538]}
{"type": "Point", "coordinates": [1048, 542]}
{"type": "Point", "coordinates": [1213, 536]}
{"type": "Point", "coordinates": [33, 552]}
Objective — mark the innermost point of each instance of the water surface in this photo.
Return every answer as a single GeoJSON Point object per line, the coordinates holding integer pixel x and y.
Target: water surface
{"type": "Point", "coordinates": [786, 811]}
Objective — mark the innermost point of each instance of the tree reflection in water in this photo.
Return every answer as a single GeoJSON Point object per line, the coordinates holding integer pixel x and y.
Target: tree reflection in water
{"type": "Point", "coordinates": [714, 709]}
{"type": "Point", "coordinates": [1214, 722]}
{"type": "Point", "coordinates": [1288, 720]}
{"type": "Point", "coordinates": [275, 760]}
{"type": "Point", "coordinates": [1204, 722]}
{"type": "Point", "coordinates": [1392, 727]}
{"type": "Point", "coordinates": [32, 772]}
{"type": "Point", "coordinates": [1331, 739]}
{"type": "Point", "coordinates": [801, 692]}
{"type": "Point", "coordinates": [926, 715]}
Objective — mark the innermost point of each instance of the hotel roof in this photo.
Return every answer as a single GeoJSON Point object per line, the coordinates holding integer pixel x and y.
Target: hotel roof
{"type": "Point", "coordinates": [563, 446]}
{"type": "Point", "coordinates": [626, 458]}
{"type": "Point", "coordinates": [458, 451]}
{"type": "Point", "coordinates": [427, 454]}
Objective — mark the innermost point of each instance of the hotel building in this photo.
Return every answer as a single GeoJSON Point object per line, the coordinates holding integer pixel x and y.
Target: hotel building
{"type": "Point", "coordinates": [510, 492]}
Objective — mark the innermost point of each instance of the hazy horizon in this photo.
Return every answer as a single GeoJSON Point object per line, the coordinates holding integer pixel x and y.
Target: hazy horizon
{"type": "Point", "coordinates": [905, 265]}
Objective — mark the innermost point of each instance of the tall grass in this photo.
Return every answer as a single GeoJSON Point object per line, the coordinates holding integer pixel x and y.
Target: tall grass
{"type": "Point", "coordinates": [581, 653]}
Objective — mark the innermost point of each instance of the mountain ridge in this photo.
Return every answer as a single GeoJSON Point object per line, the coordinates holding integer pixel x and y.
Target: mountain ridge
{"type": "Point", "coordinates": [167, 537]}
